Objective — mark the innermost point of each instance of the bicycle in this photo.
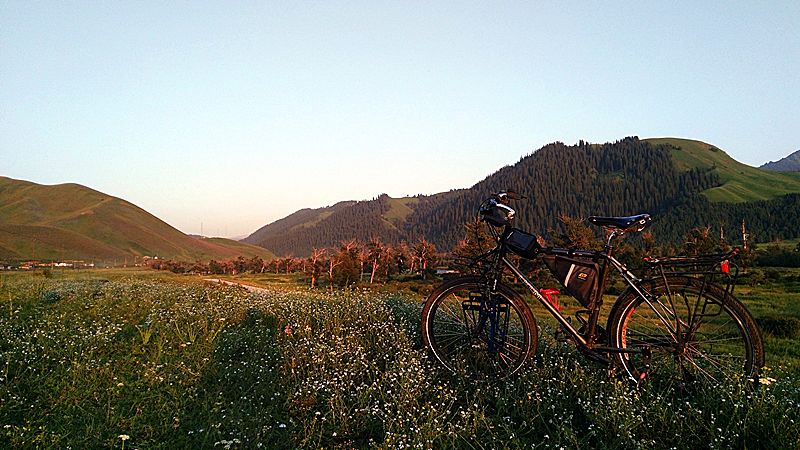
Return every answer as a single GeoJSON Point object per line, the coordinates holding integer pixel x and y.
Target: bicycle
{"type": "Point", "coordinates": [676, 323]}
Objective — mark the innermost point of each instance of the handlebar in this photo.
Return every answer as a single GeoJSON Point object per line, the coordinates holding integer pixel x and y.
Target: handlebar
{"type": "Point", "coordinates": [496, 212]}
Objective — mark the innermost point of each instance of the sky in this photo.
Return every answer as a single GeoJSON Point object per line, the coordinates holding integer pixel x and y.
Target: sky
{"type": "Point", "coordinates": [222, 117]}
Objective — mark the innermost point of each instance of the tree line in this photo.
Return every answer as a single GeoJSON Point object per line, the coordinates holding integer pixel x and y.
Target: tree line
{"type": "Point", "coordinates": [347, 263]}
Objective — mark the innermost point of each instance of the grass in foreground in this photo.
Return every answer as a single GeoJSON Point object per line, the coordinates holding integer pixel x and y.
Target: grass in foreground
{"type": "Point", "coordinates": [168, 362]}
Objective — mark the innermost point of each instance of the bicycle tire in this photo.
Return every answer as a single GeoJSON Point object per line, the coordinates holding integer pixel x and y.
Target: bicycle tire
{"type": "Point", "coordinates": [452, 332]}
{"type": "Point", "coordinates": [713, 337]}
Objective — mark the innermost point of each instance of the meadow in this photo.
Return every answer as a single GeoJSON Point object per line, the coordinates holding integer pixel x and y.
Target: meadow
{"type": "Point", "coordinates": [144, 359]}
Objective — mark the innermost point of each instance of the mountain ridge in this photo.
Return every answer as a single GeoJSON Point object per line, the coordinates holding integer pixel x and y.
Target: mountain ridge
{"type": "Point", "coordinates": [790, 163]}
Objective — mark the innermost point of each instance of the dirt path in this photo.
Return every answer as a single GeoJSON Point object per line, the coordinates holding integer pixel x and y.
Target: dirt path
{"type": "Point", "coordinates": [253, 289]}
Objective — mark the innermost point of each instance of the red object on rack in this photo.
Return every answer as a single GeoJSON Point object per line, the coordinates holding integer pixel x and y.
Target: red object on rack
{"type": "Point", "coordinates": [551, 295]}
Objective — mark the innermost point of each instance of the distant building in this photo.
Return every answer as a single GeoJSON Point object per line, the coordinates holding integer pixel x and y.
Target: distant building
{"type": "Point", "coordinates": [66, 264]}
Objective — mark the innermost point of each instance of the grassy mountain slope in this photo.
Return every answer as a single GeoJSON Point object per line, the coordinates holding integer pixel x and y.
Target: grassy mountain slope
{"type": "Point", "coordinates": [399, 209]}
{"type": "Point", "coordinates": [740, 182]}
{"type": "Point", "coordinates": [37, 242]}
{"type": "Point", "coordinates": [241, 248]}
{"type": "Point", "coordinates": [74, 222]}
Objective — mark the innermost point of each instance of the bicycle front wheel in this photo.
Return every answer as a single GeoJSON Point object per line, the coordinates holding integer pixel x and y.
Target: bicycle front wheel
{"type": "Point", "coordinates": [475, 336]}
{"type": "Point", "coordinates": [689, 332]}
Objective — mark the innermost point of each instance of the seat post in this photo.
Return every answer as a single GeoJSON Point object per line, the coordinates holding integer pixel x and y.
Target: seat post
{"type": "Point", "coordinates": [594, 314]}
{"type": "Point", "coordinates": [611, 236]}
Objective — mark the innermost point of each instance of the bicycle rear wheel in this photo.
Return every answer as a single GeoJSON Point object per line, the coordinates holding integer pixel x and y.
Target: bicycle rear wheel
{"type": "Point", "coordinates": [477, 337]}
{"type": "Point", "coordinates": [689, 333]}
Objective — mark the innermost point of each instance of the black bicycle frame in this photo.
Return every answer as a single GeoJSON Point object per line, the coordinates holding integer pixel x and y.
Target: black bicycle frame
{"type": "Point", "coordinates": [584, 342]}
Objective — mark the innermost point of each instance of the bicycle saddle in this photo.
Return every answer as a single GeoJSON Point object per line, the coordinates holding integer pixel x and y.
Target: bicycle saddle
{"type": "Point", "coordinates": [630, 223]}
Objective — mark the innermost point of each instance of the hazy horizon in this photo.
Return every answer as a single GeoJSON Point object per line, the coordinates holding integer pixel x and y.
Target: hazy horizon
{"type": "Point", "coordinates": [235, 115]}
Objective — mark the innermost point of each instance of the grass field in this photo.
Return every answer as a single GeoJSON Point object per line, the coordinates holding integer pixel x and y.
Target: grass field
{"type": "Point", "coordinates": [141, 359]}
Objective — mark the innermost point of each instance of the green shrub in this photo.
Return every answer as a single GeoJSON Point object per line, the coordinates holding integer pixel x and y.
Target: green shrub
{"type": "Point", "coordinates": [51, 296]}
{"type": "Point", "coordinates": [781, 327]}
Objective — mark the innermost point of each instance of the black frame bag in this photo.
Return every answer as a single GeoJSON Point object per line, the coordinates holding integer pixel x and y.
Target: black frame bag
{"type": "Point", "coordinates": [579, 276]}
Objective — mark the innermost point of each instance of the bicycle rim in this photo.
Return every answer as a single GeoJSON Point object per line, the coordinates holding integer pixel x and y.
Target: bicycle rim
{"type": "Point", "coordinates": [689, 337]}
{"type": "Point", "coordinates": [473, 342]}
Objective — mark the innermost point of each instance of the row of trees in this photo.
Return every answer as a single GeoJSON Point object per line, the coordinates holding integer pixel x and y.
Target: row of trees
{"type": "Point", "coordinates": [345, 264]}
{"type": "Point", "coordinates": [353, 261]}
{"type": "Point", "coordinates": [231, 267]}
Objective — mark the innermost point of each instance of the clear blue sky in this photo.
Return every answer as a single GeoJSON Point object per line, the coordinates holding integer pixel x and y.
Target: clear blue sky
{"type": "Point", "coordinates": [235, 114]}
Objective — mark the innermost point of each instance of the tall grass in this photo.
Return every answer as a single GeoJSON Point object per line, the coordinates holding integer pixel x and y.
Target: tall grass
{"type": "Point", "coordinates": [160, 363]}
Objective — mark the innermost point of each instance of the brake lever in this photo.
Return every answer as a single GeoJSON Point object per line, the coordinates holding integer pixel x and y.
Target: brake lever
{"type": "Point", "coordinates": [509, 195]}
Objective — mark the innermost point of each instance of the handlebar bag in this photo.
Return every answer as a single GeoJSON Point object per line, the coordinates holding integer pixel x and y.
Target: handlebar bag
{"type": "Point", "coordinates": [580, 277]}
{"type": "Point", "coordinates": [522, 243]}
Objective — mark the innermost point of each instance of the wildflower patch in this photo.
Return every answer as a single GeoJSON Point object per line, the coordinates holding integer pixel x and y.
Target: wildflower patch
{"type": "Point", "coordinates": [177, 363]}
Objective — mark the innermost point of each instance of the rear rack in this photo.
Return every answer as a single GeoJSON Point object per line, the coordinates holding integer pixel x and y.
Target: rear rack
{"type": "Point", "coordinates": [716, 268]}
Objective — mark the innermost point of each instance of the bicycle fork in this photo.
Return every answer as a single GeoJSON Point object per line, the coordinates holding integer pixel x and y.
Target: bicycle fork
{"type": "Point", "coordinates": [488, 322]}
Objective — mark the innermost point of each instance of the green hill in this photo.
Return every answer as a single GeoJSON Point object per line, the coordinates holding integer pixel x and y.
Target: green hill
{"type": "Point", "coordinates": [682, 183]}
{"type": "Point", "coordinates": [70, 221]}
{"type": "Point", "coordinates": [740, 182]}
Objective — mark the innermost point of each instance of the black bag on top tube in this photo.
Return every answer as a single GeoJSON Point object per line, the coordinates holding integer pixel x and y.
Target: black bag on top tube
{"type": "Point", "coordinates": [522, 243]}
